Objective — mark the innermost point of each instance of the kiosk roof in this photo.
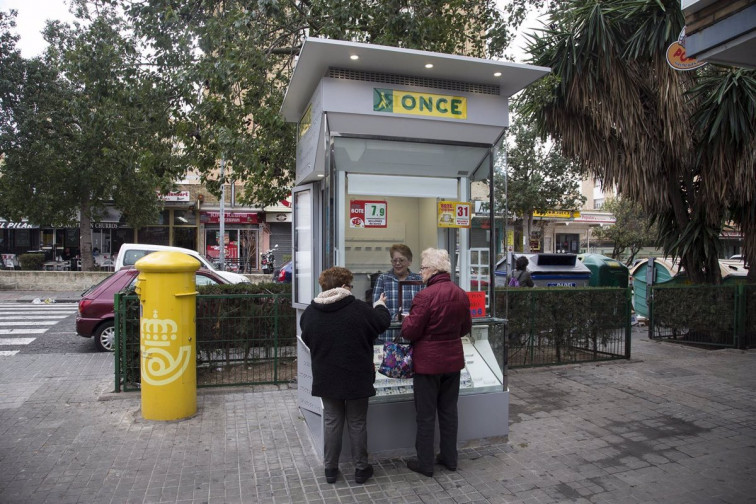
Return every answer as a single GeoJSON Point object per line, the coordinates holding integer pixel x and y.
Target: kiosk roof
{"type": "Point", "coordinates": [318, 55]}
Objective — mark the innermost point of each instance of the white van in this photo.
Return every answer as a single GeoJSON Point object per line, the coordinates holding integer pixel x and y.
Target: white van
{"type": "Point", "coordinates": [130, 253]}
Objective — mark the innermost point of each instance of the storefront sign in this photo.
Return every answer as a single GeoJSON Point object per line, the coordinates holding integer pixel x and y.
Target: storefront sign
{"type": "Point", "coordinates": [174, 196]}
{"type": "Point", "coordinates": [477, 303]}
{"type": "Point", "coordinates": [454, 214]}
{"type": "Point", "coordinates": [557, 214]}
{"type": "Point", "coordinates": [425, 104]}
{"type": "Point", "coordinates": [676, 57]}
{"type": "Point", "coordinates": [367, 214]}
{"type": "Point", "coordinates": [278, 217]}
{"type": "Point", "coordinates": [482, 207]}
{"type": "Point", "coordinates": [17, 225]}
{"type": "Point", "coordinates": [229, 217]}
{"type": "Point", "coordinates": [597, 219]}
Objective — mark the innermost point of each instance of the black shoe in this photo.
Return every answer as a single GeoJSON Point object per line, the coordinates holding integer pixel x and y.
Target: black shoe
{"type": "Point", "coordinates": [414, 465]}
{"type": "Point", "coordinates": [331, 474]}
{"type": "Point", "coordinates": [440, 460]}
{"type": "Point", "coordinates": [362, 475]}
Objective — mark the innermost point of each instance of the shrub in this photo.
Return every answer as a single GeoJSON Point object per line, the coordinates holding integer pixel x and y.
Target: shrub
{"type": "Point", "coordinates": [31, 262]}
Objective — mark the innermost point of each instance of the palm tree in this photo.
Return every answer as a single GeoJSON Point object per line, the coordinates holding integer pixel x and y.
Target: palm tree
{"type": "Point", "coordinates": [681, 144]}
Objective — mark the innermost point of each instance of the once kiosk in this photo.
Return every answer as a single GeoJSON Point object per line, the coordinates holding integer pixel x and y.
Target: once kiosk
{"type": "Point", "coordinates": [389, 142]}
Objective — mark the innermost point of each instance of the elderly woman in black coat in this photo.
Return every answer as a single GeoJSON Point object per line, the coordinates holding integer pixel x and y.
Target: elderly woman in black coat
{"type": "Point", "coordinates": [340, 331]}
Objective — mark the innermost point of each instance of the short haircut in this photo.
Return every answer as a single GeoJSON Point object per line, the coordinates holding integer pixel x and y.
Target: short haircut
{"type": "Point", "coordinates": [335, 277]}
{"type": "Point", "coordinates": [521, 263]}
{"type": "Point", "coordinates": [402, 249]}
{"type": "Point", "coordinates": [437, 259]}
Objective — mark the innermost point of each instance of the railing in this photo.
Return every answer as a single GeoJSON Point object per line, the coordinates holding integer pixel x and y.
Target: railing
{"type": "Point", "coordinates": [551, 326]}
{"type": "Point", "coordinates": [710, 316]}
{"type": "Point", "coordinates": [250, 339]}
{"type": "Point", "coordinates": [242, 339]}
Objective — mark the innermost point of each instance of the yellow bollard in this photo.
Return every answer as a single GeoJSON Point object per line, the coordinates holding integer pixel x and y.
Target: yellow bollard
{"type": "Point", "coordinates": [168, 348]}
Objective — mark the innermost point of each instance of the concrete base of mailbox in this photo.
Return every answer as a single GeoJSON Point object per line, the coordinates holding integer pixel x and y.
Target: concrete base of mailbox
{"type": "Point", "coordinates": [391, 425]}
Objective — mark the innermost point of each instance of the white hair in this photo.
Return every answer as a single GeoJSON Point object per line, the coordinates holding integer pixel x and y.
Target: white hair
{"type": "Point", "coordinates": [437, 259]}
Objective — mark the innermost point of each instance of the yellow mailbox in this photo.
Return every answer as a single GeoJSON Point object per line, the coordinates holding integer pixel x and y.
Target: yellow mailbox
{"type": "Point", "coordinates": [167, 295]}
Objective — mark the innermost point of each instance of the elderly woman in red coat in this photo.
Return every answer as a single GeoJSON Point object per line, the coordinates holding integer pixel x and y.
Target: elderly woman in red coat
{"type": "Point", "coordinates": [439, 317]}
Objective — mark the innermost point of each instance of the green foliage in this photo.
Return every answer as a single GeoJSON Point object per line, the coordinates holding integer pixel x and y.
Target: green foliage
{"type": "Point", "coordinates": [85, 127]}
{"type": "Point", "coordinates": [31, 262]}
{"type": "Point", "coordinates": [632, 229]}
{"type": "Point", "coordinates": [721, 315]}
{"type": "Point", "coordinates": [230, 62]}
{"type": "Point", "coordinates": [246, 288]}
{"type": "Point", "coordinates": [566, 324]}
{"type": "Point", "coordinates": [708, 309]}
{"type": "Point", "coordinates": [238, 326]}
{"type": "Point", "coordinates": [538, 178]}
{"type": "Point", "coordinates": [681, 144]}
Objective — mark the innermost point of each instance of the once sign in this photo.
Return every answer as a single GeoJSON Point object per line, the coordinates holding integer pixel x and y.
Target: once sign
{"type": "Point", "coordinates": [424, 104]}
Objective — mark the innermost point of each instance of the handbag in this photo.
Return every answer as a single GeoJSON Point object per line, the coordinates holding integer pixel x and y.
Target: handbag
{"type": "Point", "coordinates": [397, 360]}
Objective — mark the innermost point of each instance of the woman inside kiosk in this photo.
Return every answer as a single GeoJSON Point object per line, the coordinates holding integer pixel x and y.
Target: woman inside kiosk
{"type": "Point", "coordinates": [388, 284]}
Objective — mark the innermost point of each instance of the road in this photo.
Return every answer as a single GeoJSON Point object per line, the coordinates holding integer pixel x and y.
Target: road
{"type": "Point", "coordinates": [28, 328]}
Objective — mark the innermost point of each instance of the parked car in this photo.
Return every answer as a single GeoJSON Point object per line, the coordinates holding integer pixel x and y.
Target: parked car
{"type": "Point", "coordinates": [96, 314]}
{"type": "Point", "coordinates": [283, 274]}
{"type": "Point", "coordinates": [130, 253]}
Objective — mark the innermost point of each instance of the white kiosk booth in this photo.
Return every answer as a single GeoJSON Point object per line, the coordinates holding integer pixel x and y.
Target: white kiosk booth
{"type": "Point", "coordinates": [389, 142]}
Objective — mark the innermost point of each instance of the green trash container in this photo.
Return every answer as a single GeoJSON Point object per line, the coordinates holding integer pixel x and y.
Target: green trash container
{"type": "Point", "coordinates": [605, 271]}
{"type": "Point", "coordinates": [666, 272]}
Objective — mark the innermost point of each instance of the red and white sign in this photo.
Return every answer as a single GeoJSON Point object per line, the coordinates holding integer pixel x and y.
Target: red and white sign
{"type": "Point", "coordinates": [231, 251]}
{"type": "Point", "coordinates": [229, 217]}
{"type": "Point", "coordinates": [477, 303]}
{"type": "Point", "coordinates": [367, 214]}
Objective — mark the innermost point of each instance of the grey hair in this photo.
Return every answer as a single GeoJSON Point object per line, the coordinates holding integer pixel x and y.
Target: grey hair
{"type": "Point", "coordinates": [437, 259]}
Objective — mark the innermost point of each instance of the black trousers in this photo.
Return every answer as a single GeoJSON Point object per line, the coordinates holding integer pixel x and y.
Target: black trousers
{"type": "Point", "coordinates": [436, 394]}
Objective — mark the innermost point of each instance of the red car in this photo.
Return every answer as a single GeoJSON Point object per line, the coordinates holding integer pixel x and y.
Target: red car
{"type": "Point", "coordinates": [96, 306]}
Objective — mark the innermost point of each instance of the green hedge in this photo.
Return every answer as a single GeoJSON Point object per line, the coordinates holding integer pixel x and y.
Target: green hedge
{"type": "Point", "coordinates": [235, 323]}
{"type": "Point", "coordinates": [566, 319]}
{"type": "Point", "coordinates": [31, 262]}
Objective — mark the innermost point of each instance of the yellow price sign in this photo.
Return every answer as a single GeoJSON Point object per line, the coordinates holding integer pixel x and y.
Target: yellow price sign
{"type": "Point", "coordinates": [454, 214]}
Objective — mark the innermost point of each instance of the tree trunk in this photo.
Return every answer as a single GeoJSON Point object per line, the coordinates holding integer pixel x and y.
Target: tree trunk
{"type": "Point", "coordinates": [85, 237]}
{"type": "Point", "coordinates": [527, 224]}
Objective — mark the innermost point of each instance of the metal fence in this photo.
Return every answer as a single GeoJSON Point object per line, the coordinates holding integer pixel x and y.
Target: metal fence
{"type": "Point", "coordinates": [565, 325]}
{"type": "Point", "coordinates": [242, 339]}
{"type": "Point", "coordinates": [710, 316]}
{"type": "Point", "coordinates": [250, 339]}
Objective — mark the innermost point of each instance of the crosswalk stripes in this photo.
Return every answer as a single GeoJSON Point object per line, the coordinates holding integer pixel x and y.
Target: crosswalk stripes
{"type": "Point", "coordinates": [22, 323]}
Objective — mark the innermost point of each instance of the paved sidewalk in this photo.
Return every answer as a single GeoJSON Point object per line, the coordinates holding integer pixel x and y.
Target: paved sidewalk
{"type": "Point", "coordinates": [675, 425]}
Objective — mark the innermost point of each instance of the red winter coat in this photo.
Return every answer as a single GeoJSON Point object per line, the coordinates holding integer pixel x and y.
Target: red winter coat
{"type": "Point", "coordinates": [439, 317]}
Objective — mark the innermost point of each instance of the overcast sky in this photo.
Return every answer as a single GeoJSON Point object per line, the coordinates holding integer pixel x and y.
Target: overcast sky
{"type": "Point", "coordinates": [32, 15]}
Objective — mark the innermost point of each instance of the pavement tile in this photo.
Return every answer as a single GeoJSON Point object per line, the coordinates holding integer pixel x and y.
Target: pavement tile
{"type": "Point", "coordinates": [673, 425]}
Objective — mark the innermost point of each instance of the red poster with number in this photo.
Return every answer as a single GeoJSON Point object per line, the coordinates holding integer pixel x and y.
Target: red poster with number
{"type": "Point", "coordinates": [367, 214]}
{"type": "Point", "coordinates": [477, 303]}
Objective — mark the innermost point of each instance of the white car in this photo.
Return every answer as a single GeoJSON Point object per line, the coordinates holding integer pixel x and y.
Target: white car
{"type": "Point", "coordinates": [130, 253]}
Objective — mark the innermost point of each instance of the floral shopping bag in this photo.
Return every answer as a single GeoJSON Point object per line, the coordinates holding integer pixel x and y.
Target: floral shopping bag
{"type": "Point", "coordinates": [397, 360]}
